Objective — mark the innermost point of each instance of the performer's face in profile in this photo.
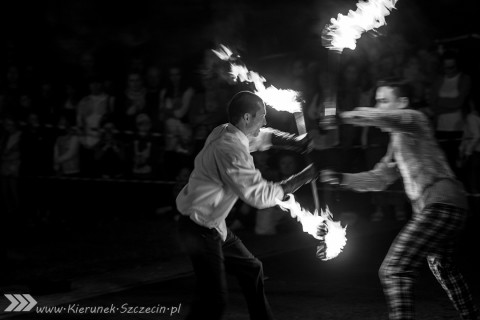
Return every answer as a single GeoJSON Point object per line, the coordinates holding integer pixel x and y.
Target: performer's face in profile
{"type": "Point", "coordinates": [387, 99]}
{"type": "Point", "coordinates": [258, 121]}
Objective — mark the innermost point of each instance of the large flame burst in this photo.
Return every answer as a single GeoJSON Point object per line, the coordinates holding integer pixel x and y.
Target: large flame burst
{"type": "Point", "coordinates": [344, 31]}
{"type": "Point", "coordinates": [335, 239]}
{"type": "Point", "coordinates": [279, 99]}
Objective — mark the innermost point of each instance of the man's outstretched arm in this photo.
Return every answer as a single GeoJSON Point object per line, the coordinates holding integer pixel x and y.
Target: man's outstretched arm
{"type": "Point", "coordinates": [377, 179]}
{"type": "Point", "coordinates": [402, 120]}
{"type": "Point", "coordinates": [273, 138]}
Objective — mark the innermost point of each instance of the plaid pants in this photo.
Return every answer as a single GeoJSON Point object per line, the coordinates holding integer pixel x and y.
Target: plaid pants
{"type": "Point", "coordinates": [432, 234]}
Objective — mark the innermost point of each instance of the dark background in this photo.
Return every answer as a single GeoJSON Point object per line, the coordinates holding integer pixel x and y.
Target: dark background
{"type": "Point", "coordinates": [41, 32]}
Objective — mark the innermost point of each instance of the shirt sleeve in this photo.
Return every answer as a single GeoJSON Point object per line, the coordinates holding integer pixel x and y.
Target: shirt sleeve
{"type": "Point", "coordinates": [403, 120]}
{"type": "Point", "coordinates": [262, 142]}
{"type": "Point", "coordinates": [377, 179]}
{"type": "Point", "coordinates": [238, 172]}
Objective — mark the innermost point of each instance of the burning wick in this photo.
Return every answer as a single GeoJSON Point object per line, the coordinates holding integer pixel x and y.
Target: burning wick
{"type": "Point", "coordinates": [344, 31]}
{"type": "Point", "coordinates": [279, 99]}
{"type": "Point", "coordinates": [335, 238]}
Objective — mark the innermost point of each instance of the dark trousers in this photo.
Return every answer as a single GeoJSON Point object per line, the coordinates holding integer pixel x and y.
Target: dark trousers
{"type": "Point", "coordinates": [212, 258]}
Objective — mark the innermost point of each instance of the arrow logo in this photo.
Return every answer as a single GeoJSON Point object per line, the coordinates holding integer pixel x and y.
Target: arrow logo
{"type": "Point", "coordinates": [20, 302]}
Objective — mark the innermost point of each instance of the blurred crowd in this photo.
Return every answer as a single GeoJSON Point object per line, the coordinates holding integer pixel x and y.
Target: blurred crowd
{"type": "Point", "coordinates": [148, 121]}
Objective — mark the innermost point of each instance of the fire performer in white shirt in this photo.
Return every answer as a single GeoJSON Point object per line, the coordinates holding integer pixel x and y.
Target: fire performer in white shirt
{"type": "Point", "coordinates": [224, 172]}
{"type": "Point", "coordinates": [438, 200]}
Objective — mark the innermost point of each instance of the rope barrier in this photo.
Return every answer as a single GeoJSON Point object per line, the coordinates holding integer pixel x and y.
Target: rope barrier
{"type": "Point", "coordinates": [457, 38]}
{"type": "Point", "coordinates": [159, 134]}
{"type": "Point", "coordinates": [170, 182]}
{"type": "Point", "coordinates": [115, 180]}
{"type": "Point", "coordinates": [165, 182]}
{"type": "Point", "coordinates": [78, 131]}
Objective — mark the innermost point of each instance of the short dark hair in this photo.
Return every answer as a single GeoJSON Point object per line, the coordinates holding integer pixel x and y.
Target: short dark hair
{"type": "Point", "coordinates": [400, 86]}
{"type": "Point", "coordinates": [243, 102]}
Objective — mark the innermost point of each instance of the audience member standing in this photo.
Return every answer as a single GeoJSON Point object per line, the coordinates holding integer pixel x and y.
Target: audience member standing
{"type": "Point", "coordinates": [109, 151]}
{"type": "Point", "coordinates": [449, 104]}
{"type": "Point", "coordinates": [144, 156]}
{"type": "Point", "coordinates": [177, 98]}
{"type": "Point", "coordinates": [152, 97]}
{"type": "Point", "coordinates": [470, 156]}
{"type": "Point", "coordinates": [132, 101]}
{"type": "Point", "coordinates": [208, 108]}
{"type": "Point", "coordinates": [69, 100]}
{"type": "Point", "coordinates": [37, 147]}
{"type": "Point", "coordinates": [66, 149]}
{"type": "Point", "coordinates": [10, 161]}
{"type": "Point", "coordinates": [91, 109]}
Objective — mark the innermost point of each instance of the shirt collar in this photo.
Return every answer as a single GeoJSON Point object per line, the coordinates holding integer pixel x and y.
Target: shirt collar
{"type": "Point", "coordinates": [239, 134]}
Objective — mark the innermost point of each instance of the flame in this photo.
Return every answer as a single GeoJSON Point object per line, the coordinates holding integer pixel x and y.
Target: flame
{"type": "Point", "coordinates": [279, 99]}
{"type": "Point", "coordinates": [224, 53]}
{"type": "Point", "coordinates": [335, 239]}
{"type": "Point", "coordinates": [345, 30]}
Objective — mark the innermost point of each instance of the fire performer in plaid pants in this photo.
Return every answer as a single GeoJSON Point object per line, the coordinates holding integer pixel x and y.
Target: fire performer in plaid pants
{"type": "Point", "coordinates": [224, 172]}
{"type": "Point", "coordinates": [438, 200]}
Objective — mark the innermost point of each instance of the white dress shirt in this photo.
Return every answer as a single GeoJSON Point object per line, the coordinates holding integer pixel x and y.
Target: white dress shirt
{"type": "Point", "coordinates": [224, 172]}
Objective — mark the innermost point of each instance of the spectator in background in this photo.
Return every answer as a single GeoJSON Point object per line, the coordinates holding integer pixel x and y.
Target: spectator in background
{"type": "Point", "coordinates": [144, 159]}
{"type": "Point", "coordinates": [132, 101]}
{"type": "Point", "coordinates": [37, 147]}
{"type": "Point", "coordinates": [12, 90]}
{"type": "Point", "coordinates": [66, 163]}
{"type": "Point", "coordinates": [152, 96]}
{"type": "Point", "coordinates": [315, 112]}
{"type": "Point", "coordinates": [143, 153]}
{"type": "Point", "coordinates": [69, 101]}
{"type": "Point", "coordinates": [178, 136]}
{"type": "Point", "coordinates": [25, 106]}
{"type": "Point", "coordinates": [47, 101]}
{"type": "Point", "coordinates": [449, 97]}
{"type": "Point", "coordinates": [3, 110]}
{"type": "Point", "coordinates": [66, 159]}
{"type": "Point", "coordinates": [91, 109]}
{"type": "Point", "coordinates": [109, 151]}
{"type": "Point", "coordinates": [37, 160]}
{"type": "Point", "coordinates": [87, 68]}
{"type": "Point", "coordinates": [413, 73]}
{"type": "Point", "coordinates": [10, 162]}
{"type": "Point", "coordinates": [297, 78]}
{"type": "Point", "coordinates": [208, 108]}
{"type": "Point", "coordinates": [350, 89]}
{"type": "Point", "coordinates": [177, 97]}
{"type": "Point", "coordinates": [470, 156]}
